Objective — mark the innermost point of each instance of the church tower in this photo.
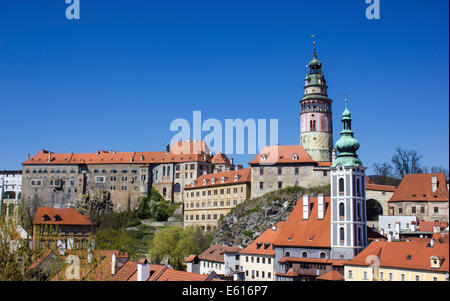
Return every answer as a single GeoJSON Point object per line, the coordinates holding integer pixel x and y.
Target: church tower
{"type": "Point", "coordinates": [348, 196]}
{"type": "Point", "coordinates": [316, 130]}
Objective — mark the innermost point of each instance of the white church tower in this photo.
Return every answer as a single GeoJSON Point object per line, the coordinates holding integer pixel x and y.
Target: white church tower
{"type": "Point", "coordinates": [348, 196]}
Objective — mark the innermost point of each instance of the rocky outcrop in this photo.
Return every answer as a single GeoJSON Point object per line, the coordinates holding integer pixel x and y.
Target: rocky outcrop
{"type": "Point", "coordinates": [254, 216]}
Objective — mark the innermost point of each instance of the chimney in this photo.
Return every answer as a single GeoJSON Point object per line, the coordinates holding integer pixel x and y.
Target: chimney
{"type": "Point", "coordinates": [28, 156]}
{"type": "Point", "coordinates": [434, 183]}
{"type": "Point", "coordinates": [143, 270]}
{"type": "Point", "coordinates": [413, 226]}
{"type": "Point", "coordinates": [113, 264]}
{"type": "Point", "coordinates": [432, 242]}
{"type": "Point", "coordinates": [231, 161]}
{"type": "Point", "coordinates": [89, 254]}
{"type": "Point", "coordinates": [333, 155]}
{"type": "Point", "coordinates": [306, 201]}
{"type": "Point", "coordinates": [49, 157]}
{"type": "Point", "coordinates": [397, 230]}
{"type": "Point", "coordinates": [436, 227]}
{"type": "Point", "coordinates": [389, 236]}
{"type": "Point", "coordinates": [320, 206]}
{"type": "Point", "coordinates": [167, 148]}
{"type": "Point", "coordinates": [382, 232]}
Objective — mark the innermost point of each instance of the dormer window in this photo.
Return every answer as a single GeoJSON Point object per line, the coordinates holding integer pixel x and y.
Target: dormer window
{"type": "Point", "coordinates": [204, 182]}
{"type": "Point", "coordinates": [435, 262]}
{"type": "Point", "coordinates": [236, 177]}
{"type": "Point", "coordinates": [222, 179]}
{"type": "Point", "coordinates": [57, 218]}
{"type": "Point", "coordinates": [46, 218]}
{"type": "Point", "coordinates": [213, 181]}
{"type": "Point", "coordinates": [294, 157]}
{"type": "Point", "coordinates": [266, 246]}
{"type": "Point", "coordinates": [263, 156]}
{"type": "Point", "coordinates": [258, 245]}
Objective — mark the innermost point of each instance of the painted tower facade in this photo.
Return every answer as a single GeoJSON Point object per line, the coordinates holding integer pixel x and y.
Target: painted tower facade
{"type": "Point", "coordinates": [348, 196]}
{"type": "Point", "coordinates": [316, 130]}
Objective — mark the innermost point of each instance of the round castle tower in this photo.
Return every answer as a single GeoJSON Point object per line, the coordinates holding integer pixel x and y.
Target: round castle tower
{"type": "Point", "coordinates": [316, 130]}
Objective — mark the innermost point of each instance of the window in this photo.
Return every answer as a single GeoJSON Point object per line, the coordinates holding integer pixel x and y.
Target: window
{"type": "Point", "coordinates": [400, 210]}
{"type": "Point", "coordinates": [391, 277]}
{"type": "Point", "coordinates": [296, 170]}
{"type": "Point", "coordinates": [261, 185]}
{"type": "Point", "coordinates": [341, 234]}
{"type": "Point", "coordinates": [323, 255]}
{"type": "Point", "coordinates": [365, 275]}
{"type": "Point", "coordinates": [341, 185]}
{"type": "Point", "coordinates": [99, 179]}
{"type": "Point", "coordinates": [280, 185]}
{"type": "Point", "coordinates": [341, 210]}
{"type": "Point", "coordinates": [350, 274]}
{"type": "Point", "coordinates": [304, 254]}
{"type": "Point", "coordinates": [417, 278]}
{"type": "Point", "coordinates": [261, 171]}
{"type": "Point", "coordinates": [269, 261]}
{"type": "Point", "coordinates": [436, 209]}
{"type": "Point", "coordinates": [403, 277]}
{"type": "Point", "coordinates": [381, 276]}
{"type": "Point", "coordinates": [287, 254]}
{"type": "Point", "coordinates": [422, 209]}
{"type": "Point", "coordinates": [413, 209]}
{"type": "Point", "coordinates": [279, 171]}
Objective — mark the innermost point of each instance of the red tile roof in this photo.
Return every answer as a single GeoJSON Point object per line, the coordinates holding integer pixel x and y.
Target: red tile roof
{"type": "Point", "coordinates": [395, 254]}
{"type": "Point", "coordinates": [243, 176]}
{"type": "Point", "coordinates": [169, 274]}
{"type": "Point", "coordinates": [282, 154]}
{"type": "Point", "coordinates": [220, 158]}
{"type": "Point", "coordinates": [186, 152]}
{"type": "Point", "coordinates": [216, 253]}
{"type": "Point", "coordinates": [263, 245]}
{"type": "Point", "coordinates": [290, 273]}
{"type": "Point", "coordinates": [308, 233]}
{"type": "Point", "coordinates": [428, 226]}
{"type": "Point", "coordinates": [331, 276]}
{"type": "Point", "coordinates": [370, 185]}
{"type": "Point", "coordinates": [417, 187]}
{"type": "Point", "coordinates": [69, 216]}
{"type": "Point", "coordinates": [191, 258]}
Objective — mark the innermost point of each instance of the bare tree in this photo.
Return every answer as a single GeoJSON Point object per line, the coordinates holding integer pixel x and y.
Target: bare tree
{"type": "Point", "coordinates": [383, 171]}
{"type": "Point", "coordinates": [406, 162]}
{"type": "Point", "coordinates": [440, 169]}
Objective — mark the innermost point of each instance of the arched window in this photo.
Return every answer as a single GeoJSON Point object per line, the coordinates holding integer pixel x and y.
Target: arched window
{"type": "Point", "coordinates": [168, 170]}
{"type": "Point", "coordinates": [341, 185]}
{"type": "Point", "coordinates": [359, 236]}
{"type": "Point", "coordinates": [287, 254]}
{"type": "Point", "coordinates": [323, 255]}
{"type": "Point", "coordinates": [358, 189]}
{"type": "Point", "coordinates": [358, 210]}
{"type": "Point", "coordinates": [164, 171]}
{"type": "Point", "coordinates": [177, 187]}
{"type": "Point", "coordinates": [304, 254]}
{"type": "Point", "coordinates": [341, 234]}
{"type": "Point", "coordinates": [341, 210]}
{"type": "Point", "coordinates": [164, 191]}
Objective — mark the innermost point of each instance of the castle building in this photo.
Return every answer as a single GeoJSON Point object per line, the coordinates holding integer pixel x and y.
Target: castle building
{"type": "Point", "coordinates": [10, 192]}
{"type": "Point", "coordinates": [112, 180]}
{"type": "Point", "coordinates": [348, 196]}
{"type": "Point", "coordinates": [316, 130]}
{"type": "Point", "coordinates": [212, 196]}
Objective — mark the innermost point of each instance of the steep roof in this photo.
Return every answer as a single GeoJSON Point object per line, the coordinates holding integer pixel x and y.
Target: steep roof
{"type": "Point", "coordinates": [395, 255]}
{"type": "Point", "coordinates": [418, 187]}
{"type": "Point", "coordinates": [263, 245]}
{"type": "Point", "coordinates": [306, 233]}
{"type": "Point", "coordinates": [68, 216]}
{"type": "Point", "coordinates": [243, 176]}
{"type": "Point", "coordinates": [282, 154]}
{"type": "Point", "coordinates": [216, 253]}
{"type": "Point", "coordinates": [220, 158]}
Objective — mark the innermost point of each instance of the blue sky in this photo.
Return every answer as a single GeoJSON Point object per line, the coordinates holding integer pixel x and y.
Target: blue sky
{"type": "Point", "coordinates": [116, 78]}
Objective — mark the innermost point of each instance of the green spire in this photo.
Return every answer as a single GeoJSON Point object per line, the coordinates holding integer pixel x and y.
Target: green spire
{"type": "Point", "coordinates": [347, 145]}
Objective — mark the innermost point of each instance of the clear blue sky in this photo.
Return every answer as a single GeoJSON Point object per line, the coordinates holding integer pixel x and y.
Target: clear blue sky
{"type": "Point", "coordinates": [116, 78]}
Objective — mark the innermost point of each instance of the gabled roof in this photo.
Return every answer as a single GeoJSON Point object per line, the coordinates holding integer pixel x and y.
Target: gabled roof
{"type": "Point", "coordinates": [68, 216]}
{"type": "Point", "coordinates": [215, 253]}
{"type": "Point", "coordinates": [220, 158]}
{"type": "Point", "coordinates": [306, 233]}
{"type": "Point", "coordinates": [263, 245]}
{"type": "Point", "coordinates": [395, 255]}
{"type": "Point", "coordinates": [418, 187]}
{"type": "Point", "coordinates": [242, 176]}
{"type": "Point", "coordinates": [282, 154]}
{"type": "Point", "coordinates": [191, 258]}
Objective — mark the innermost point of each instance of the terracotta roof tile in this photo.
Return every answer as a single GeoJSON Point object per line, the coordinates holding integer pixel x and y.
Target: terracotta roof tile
{"type": "Point", "coordinates": [215, 253]}
{"type": "Point", "coordinates": [263, 245]}
{"type": "Point", "coordinates": [331, 276]}
{"type": "Point", "coordinates": [215, 179]}
{"type": "Point", "coordinates": [417, 187]}
{"type": "Point", "coordinates": [309, 233]}
{"type": "Point", "coordinates": [282, 154]}
{"type": "Point", "coordinates": [220, 158]}
{"type": "Point", "coordinates": [68, 216]}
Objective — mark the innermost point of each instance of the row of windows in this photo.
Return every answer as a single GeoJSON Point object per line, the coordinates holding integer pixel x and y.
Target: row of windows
{"type": "Point", "coordinates": [256, 258]}
{"type": "Point", "coordinates": [72, 171]}
{"type": "Point", "coordinates": [389, 278]}
{"type": "Point", "coordinates": [414, 210]}
{"type": "Point", "coordinates": [208, 204]}
{"type": "Point", "coordinates": [215, 192]}
{"type": "Point", "coordinates": [256, 274]}
{"type": "Point", "coordinates": [203, 217]}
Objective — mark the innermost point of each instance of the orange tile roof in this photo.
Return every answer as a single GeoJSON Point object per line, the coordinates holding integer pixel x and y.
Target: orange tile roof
{"type": "Point", "coordinates": [331, 276]}
{"type": "Point", "coordinates": [215, 253]}
{"type": "Point", "coordinates": [307, 233]}
{"type": "Point", "coordinates": [428, 226]}
{"type": "Point", "coordinates": [191, 258]}
{"type": "Point", "coordinates": [282, 154]}
{"type": "Point", "coordinates": [417, 187]}
{"type": "Point", "coordinates": [242, 174]}
{"type": "Point", "coordinates": [395, 254]}
{"type": "Point", "coordinates": [290, 273]}
{"type": "Point", "coordinates": [263, 245]}
{"type": "Point", "coordinates": [370, 185]}
{"type": "Point", "coordinates": [220, 158]}
{"type": "Point", "coordinates": [175, 275]}
{"type": "Point", "coordinates": [126, 271]}
{"type": "Point", "coordinates": [175, 155]}
{"type": "Point", "coordinates": [69, 216]}
{"type": "Point", "coordinates": [324, 164]}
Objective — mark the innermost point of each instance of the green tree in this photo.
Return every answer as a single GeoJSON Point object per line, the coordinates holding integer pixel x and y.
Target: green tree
{"type": "Point", "coordinates": [118, 239]}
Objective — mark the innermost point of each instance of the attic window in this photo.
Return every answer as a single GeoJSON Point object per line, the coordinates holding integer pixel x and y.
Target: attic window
{"type": "Point", "coordinates": [263, 156]}
{"type": "Point", "coordinates": [46, 218]}
{"type": "Point", "coordinates": [266, 246]}
{"type": "Point", "coordinates": [414, 195]}
{"type": "Point", "coordinates": [204, 182]}
{"type": "Point", "coordinates": [294, 157]}
{"type": "Point", "coordinates": [57, 218]}
{"type": "Point", "coordinates": [408, 257]}
{"type": "Point", "coordinates": [236, 177]}
{"type": "Point", "coordinates": [213, 180]}
{"type": "Point", "coordinates": [223, 179]}
{"type": "Point", "coordinates": [258, 245]}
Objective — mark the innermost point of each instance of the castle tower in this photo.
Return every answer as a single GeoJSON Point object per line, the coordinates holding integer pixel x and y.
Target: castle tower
{"type": "Point", "coordinates": [348, 196]}
{"type": "Point", "coordinates": [316, 130]}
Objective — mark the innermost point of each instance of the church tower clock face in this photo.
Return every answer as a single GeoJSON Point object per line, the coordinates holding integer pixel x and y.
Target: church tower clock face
{"type": "Point", "coordinates": [316, 132]}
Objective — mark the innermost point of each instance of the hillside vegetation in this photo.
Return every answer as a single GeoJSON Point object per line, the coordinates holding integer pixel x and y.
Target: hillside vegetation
{"type": "Point", "coordinates": [253, 216]}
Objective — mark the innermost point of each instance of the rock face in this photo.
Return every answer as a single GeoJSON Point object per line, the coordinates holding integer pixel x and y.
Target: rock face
{"type": "Point", "coordinates": [254, 216]}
